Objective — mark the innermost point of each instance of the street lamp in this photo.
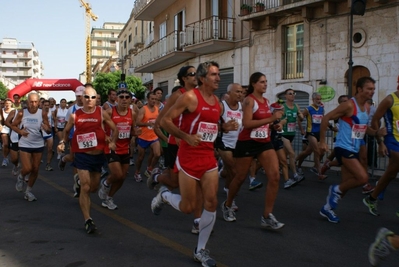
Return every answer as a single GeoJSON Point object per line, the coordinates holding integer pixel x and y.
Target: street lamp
{"type": "Point", "coordinates": [358, 7]}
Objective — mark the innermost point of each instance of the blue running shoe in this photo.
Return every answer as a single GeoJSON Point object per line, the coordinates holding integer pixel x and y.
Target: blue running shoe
{"type": "Point", "coordinates": [329, 214]}
{"type": "Point", "coordinates": [333, 197]}
{"type": "Point", "coordinates": [254, 185]}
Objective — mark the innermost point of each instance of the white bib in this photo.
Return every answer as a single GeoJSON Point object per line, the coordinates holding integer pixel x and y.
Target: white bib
{"type": "Point", "coordinates": [208, 131]}
{"type": "Point", "coordinates": [260, 132]}
{"type": "Point", "coordinates": [358, 131]}
{"type": "Point", "coordinates": [87, 140]}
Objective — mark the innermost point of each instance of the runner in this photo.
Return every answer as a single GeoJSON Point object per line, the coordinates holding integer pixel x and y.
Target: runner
{"type": "Point", "coordinates": [195, 161]}
{"type": "Point", "coordinates": [88, 143]}
{"type": "Point", "coordinates": [31, 144]}
{"type": "Point", "coordinates": [111, 102]}
{"type": "Point", "coordinates": [14, 138]}
{"type": "Point", "coordinates": [49, 140]}
{"type": "Point", "coordinates": [60, 120]}
{"type": "Point", "coordinates": [5, 131]}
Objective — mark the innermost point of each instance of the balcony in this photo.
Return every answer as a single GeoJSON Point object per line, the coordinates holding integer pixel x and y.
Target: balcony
{"type": "Point", "coordinates": [24, 73]}
{"type": "Point", "coordinates": [163, 54]}
{"type": "Point", "coordinates": [8, 55]}
{"type": "Point", "coordinates": [149, 9]}
{"type": "Point", "coordinates": [24, 65]}
{"type": "Point", "coordinates": [138, 41]}
{"type": "Point", "coordinates": [24, 56]}
{"type": "Point", "coordinates": [251, 10]}
{"type": "Point", "coordinates": [210, 35]}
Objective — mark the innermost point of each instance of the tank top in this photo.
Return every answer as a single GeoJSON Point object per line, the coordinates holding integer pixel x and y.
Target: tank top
{"type": "Point", "coordinates": [203, 121]}
{"type": "Point", "coordinates": [14, 135]}
{"type": "Point", "coordinates": [32, 123]}
{"type": "Point", "coordinates": [259, 111]}
{"type": "Point", "coordinates": [147, 132]}
{"type": "Point", "coordinates": [61, 117]}
{"type": "Point", "coordinates": [291, 115]}
{"type": "Point", "coordinates": [352, 129]}
{"type": "Point", "coordinates": [314, 118]}
{"type": "Point", "coordinates": [177, 122]}
{"type": "Point", "coordinates": [89, 134]}
{"type": "Point", "coordinates": [124, 125]}
{"type": "Point", "coordinates": [5, 129]}
{"type": "Point", "coordinates": [230, 139]}
{"type": "Point", "coordinates": [109, 104]}
{"type": "Point", "coordinates": [391, 119]}
{"type": "Point", "coordinates": [50, 119]}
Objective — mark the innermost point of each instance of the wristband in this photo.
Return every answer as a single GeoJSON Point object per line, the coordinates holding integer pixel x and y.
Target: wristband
{"type": "Point", "coordinates": [61, 142]}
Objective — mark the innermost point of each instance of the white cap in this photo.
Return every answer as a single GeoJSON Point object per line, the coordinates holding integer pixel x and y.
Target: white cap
{"type": "Point", "coordinates": [79, 90]}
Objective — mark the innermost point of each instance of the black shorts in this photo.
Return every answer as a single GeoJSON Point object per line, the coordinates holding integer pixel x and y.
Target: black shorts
{"type": "Point", "coordinates": [32, 150]}
{"type": "Point", "coordinates": [277, 144]}
{"type": "Point", "coordinates": [14, 146]}
{"type": "Point", "coordinates": [289, 137]}
{"type": "Point", "coordinates": [343, 153]}
{"type": "Point", "coordinates": [315, 135]}
{"type": "Point", "coordinates": [170, 155]}
{"type": "Point", "coordinates": [121, 158]}
{"type": "Point", "coordinates": [60, 129]}
{"type": "Point", "coordinates": [91, 163]}
{"type": "Point", "coordinates": [250, 148]}
{"type": "Point", "coordinates": [220, 145]}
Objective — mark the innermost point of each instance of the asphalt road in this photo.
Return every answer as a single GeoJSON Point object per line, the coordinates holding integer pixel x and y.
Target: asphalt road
{"type": "Point", "coordinates": [50, 232]}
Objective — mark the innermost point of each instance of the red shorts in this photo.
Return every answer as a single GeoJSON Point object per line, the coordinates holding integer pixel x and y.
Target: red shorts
{"type": "Point", "coordinates": [196, 167]}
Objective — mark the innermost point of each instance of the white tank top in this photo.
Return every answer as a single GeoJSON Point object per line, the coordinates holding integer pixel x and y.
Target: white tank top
{"type": "Point", "coordinates": [5, 129]}
{"type": "Point", "coordinates": [230, 139]}
{"type": "Point", "coordinates": [14, 136]}
{"type": "Point", "coordinates": [32, 123]}
{"type": "Point", "coordinates": [61, 117]}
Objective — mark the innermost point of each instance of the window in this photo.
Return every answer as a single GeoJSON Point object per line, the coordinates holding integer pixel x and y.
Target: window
{"type": "Point", "coordinates": [293, 51]}
{"type": "Point", "coordinates": [124, 44]}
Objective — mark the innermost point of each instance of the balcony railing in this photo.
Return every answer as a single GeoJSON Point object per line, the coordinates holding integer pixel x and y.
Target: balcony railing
{"type": "Point", "coordinates": [293, 64]}
{"type": "Point", "coordinates": [149, 39]}
{"type": "Point", "coordinates": [164, 46]}
{"type": "Point", "coordinates": [213, 28]}
{"type": "Point", "coordinates": [252, 6]}
{"type": "Point", "coordinates": [138, 40]}
{"type": "Point", "coordinates": [139, 5]}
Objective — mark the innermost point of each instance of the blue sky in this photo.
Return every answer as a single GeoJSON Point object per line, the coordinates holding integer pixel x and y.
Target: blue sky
{"type": "Point", "coordinates": [57, 28]}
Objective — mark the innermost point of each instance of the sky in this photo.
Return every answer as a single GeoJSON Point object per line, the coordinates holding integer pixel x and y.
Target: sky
{"type": "Point", "coordinates": [57, 29]}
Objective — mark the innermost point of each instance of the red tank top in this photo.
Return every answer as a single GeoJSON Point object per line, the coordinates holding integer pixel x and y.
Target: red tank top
{"type": "Point", "coordinates": [89, 133]}
{"type": "Point", "coordinates": [262, 133]}
{"type": "Point", "coordinates": [147, 132]}
{"type": "Point", "coordinates": [177, 122]}
{"type": "Point", "coordinates": [203, 121]}
{"type": "Point", "coordinates": [124, 125]}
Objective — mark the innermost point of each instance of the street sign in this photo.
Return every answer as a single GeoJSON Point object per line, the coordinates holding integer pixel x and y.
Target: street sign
{"type": "Point", "coordinates": [122, 85]}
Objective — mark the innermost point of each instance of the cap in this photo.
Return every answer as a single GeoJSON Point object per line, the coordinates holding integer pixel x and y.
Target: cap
{"type": "Point", "coordinates": [79, 90]}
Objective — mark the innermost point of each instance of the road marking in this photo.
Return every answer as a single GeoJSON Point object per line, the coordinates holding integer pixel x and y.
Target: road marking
{"type": "Point", "coordinates": [142, 230]}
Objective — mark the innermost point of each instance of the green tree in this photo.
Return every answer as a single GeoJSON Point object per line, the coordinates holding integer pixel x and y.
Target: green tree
{"type": "Point", "coordinates": [3, 91]}
{"type": "Point", "coordinates": [103, 82]}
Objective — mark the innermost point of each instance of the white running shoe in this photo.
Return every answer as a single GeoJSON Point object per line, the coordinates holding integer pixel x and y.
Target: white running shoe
{"type": "Point", "coordinates": [109, 203]}
{"type": "Point", "coordinates": [30, 197]}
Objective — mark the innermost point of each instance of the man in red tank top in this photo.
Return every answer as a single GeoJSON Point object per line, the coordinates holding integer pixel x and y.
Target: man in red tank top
{"type": "Point", "coordinates": [196, 162]}
{"type": "Point", "coordinates": [88, 143]}
{"type": "Point", "coordinates": [118, 160]}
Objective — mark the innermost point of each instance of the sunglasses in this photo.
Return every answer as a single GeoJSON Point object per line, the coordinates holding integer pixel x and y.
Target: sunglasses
{"type": "Point", "coordinates": [191, 74]}
{"type": "Point", "coordinates": [291, 93]}
{"type": "Point", "coordinates": [88, 96]}
{"type": "Point", "coordinates": [124, 96]}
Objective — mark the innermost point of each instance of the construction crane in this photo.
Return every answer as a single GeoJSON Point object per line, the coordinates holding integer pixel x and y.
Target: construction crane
{"type": "Point", "coordinates": [89, 16]}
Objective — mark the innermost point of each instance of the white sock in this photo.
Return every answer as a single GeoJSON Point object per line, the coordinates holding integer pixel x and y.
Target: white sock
{"type": "Point", "coordinates": [251, 179]}
{"type": "Point", "coordinates": [172, 199]}
{"type": "Point", "coordinates": [205, 228]}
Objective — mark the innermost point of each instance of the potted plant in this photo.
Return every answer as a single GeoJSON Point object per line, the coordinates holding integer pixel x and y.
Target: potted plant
{"type": "Point", "coordinates": [259, 6]}
{"type": "Point", "coordinates": [245, 9]}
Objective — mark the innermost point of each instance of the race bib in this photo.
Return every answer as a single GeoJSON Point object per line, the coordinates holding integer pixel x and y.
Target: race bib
{"type": "Point", "coordinates": [208, 131]}
{"type": "Point", "coordinates": [61, 122]}
{"type": "Point", "coordinates": [358, 131]}
{"type": "Point", "coordinates": [260, 132]}
{"type": "Point", "coordinates": [397, 125]}
{"type": "Point", "coordinates": [87, 140]}
{"type": "Point", "coordinates": [291, 127]}
{"type": "Point", "coordinates": [316, 118]}
{"type": "Point", "coordinates": [234, 115]}
{"type": "Point", "coordinates": [124, 131]}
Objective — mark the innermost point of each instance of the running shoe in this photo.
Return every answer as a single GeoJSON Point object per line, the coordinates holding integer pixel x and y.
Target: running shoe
{"type": "Point", "coordinates": [61, 164]}
{"type": "Point", "coordinates": [368, 188]}
{"type": "Point", "coordinates": [131, 162]}
{"type": "Point", "coordinates": [90, 226]}
{"type": "Point", "coordinates": [325, 167]}
{"type": "Point", "coordinates": [372, 205]}
{"type": "Point", "coordinates": [381, 247]}
{"type": "Point", "coordinates": [19, 186]}
{"type": "Point", "coordinates": [203, 257]}
{"type": "Point", "coordinates": [289, 183]}
{"type": "Point", "coordinates": [195, 228]}
{"type": "Point", "coordinates": [254, 185]}
{"type": "Point", "coordinates": [314, 170]}
{"type": "Point", "coordinates": [158, 202]}
{"type": "Point", "coordinates": [271, 222]}
{"type": "Point", "coordinates": [104, 172]}
{"type": "Point", "coordinates": [228, 213]}
{"type": "Point", "coordinates": [109, 203]}
{"type": "Point", "coordinates": [147, 173]}
{"type": "Point", "coordinates": [104, 190]}
{"type": "Point", "coordinates": [48, 167]}
{"type": "Point", "coordinates": [76, 185]}
{"type": "Point", "coordinates": [151, 180]}
{"type": "Point", "coordinates": [333, 197]}
{"type": "Point", "coordinates": [5, 162]}
{"type": "Point", "coordinates": [329, 214]}
{"type": "Point", "coordinates": [298, 178]}
{"type": "Point", "coordinates": [300, 171]}
{"type": "Point", "coordinates": [58, 156]}
{"type": "Point", "coordinates": [15, 170]}
{"type": "Point", "coordinates": [29, 196]}
{"type": "Point", "coordinates": [137, 177]}
{"type": "Point", "coordinates": [234, 206]}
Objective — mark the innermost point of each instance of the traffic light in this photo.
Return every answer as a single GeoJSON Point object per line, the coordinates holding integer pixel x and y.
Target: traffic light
{"type": "Point", "coordinates": [123, 77]}
{"type": "Point", "coordinates": [358, 7]}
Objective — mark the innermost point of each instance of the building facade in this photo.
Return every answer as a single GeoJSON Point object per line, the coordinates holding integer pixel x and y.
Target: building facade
{"type": "Point", "coordinates": [19, 61]}
{"type": "Point", "coordinates": [104, 44]}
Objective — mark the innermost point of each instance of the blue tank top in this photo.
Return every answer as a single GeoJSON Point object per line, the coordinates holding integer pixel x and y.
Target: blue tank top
{"type": "Point", "coordinates": [314, 119]}
{"type": "Point", "coordinates": [352, 129]}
